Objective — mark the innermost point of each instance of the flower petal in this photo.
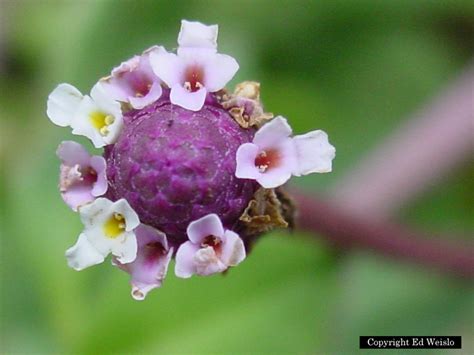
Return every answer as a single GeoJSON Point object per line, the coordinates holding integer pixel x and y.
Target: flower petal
{"type": "Point", "coordinates": [81, 123]}
{"type": "Point", "coordinates": [83, 254]}
{"type": "Point", "coordinates": [209, 225]}
{"type": "Point", "coordinates": [134, 80]}
{"type": "Point", "coordinates": [274, 178]}
{"type": "Point", "coordinates": [151, 265]}
{"type": "Point", "coordinates": [131, 218]}
{"type": "Point", "coordinates": [185, 266]}
{"type": "Point", "coordinates": [245, 158]}
{"type": "Point", "coordinates": [196, 34]}
{"type": "Point", "coordinates": [62, 104]}
{"type": "Point", "coordinates": [219, 70]}
{"type": "Point", "coordinates": [192, 101]}
{"type": "Point", "coordinates": [72, 153]}
{"type": "Point", "coordinates": [233, 249]}
{"type": "Point", "coordinates": [167, 66]}
{"type": "Point", "coordinates": [153, 95]}
{"type": "Point", "coordinates": [99, 165]}
{"type": "Point", "coordinates": [272, 133]}
{"type": "Point", "coordinates": [314, 153]}
{"type": "Point", "coordinates": [77, 195]}
{"type": "Point", "coordinates": [125, 248]}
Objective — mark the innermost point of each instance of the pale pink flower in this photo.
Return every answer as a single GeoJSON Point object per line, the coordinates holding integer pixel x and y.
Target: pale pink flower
{"type": "Point", "coordinates": [151, 265]}
{"type": "Point", "coordinates": [274, 156]}
{"type": "Point", "coordinates": [82, 176]}
{"type": "Point", "coordinates": [210, 248]}
{"type": "Point", "coordinates": [134, 81]}
{"type": "Point", "coordinates": [196, 69]}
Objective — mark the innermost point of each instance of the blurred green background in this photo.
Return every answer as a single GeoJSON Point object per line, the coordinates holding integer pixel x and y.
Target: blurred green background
{"type": "Point", "coordinates": [352, 68]}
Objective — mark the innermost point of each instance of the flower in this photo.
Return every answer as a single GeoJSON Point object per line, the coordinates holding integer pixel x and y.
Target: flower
{"type": "Point", "coordinates": [274, 156]}
{"type": "Point", "coordinates": [196, 69]}
{"type": "Point", "coordinates": [149, 268]}
{"type": "Point", "coordinates": [134, 81]}
{"type": "Point", "coordinates": [82, 176]}
{"type": "Point", "coordinates": [210, 248]}
{"type": "Point", "coordinates": [97, 117]}
{"type": "Point", "coordinates": [109, 228]}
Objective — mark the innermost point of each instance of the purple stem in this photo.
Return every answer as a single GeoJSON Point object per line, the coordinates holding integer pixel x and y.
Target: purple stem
{"type": "Point", "coordinates": [347, 231]}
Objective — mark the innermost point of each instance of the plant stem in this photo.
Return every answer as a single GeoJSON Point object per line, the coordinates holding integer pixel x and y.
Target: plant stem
{"type": "Point", "coordinates": [348, 231]}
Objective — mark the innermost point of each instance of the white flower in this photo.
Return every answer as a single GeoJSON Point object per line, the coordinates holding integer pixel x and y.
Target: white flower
{"type": "Point", "coordinates": [196, 69]}
{"type": "Point", "coordinates": [97, 117]}
{"type": "Point", "coordinates": [210, 248]}
{"type": "Point", "coordinates": [274, 155]}
{"type": "Point", "coordinates": [109, 228]}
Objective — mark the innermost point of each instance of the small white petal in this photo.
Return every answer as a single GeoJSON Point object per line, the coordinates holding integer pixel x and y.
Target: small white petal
{"type": "Point", "coordinates": [274, 178]}
{"type": "Point", "coordinates": [167, 66]}
{"type": "Point", "coordinates": [314, 153]}
{"type": "Point", "coordinates": [245, 158]}
{"type": "Point", "coordinates": [196, 34]}
{"type": "Point", "coordinates": [83, 254]}
{"type": "Point", "coordinates": [62, 104]}
{"type": "Point", "coordinates": [233, 249]}
{"type": "Point", "coordinates": [131, 218]}
{"type": "Point", "coordinates": [94, 214]}
{"type": "Point", "coordinates": [192, 101]}
{"type": "Point", "coordinates": [185, 266]}
{"type": "Point", "coordinates": [219, 70]}
{"type": "Point", "coordinates": [125, 248]}
{"type": "Point", "coordinates": [209, 225]}
{"type": "Point", "coordinates": [271, 134]}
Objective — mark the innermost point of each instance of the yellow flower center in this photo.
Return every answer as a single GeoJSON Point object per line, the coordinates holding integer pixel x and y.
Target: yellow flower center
{"type": "Point", "coordinates": [114, 226]}
{"type": "Point", "coordinates": [101, 121]}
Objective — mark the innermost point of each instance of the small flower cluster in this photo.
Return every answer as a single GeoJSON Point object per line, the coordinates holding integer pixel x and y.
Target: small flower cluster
{"type": "Point", "coordinates": [184, 166]}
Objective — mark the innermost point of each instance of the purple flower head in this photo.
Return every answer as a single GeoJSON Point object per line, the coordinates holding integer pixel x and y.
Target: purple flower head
{"type": "Point", "coordinates": [210, 249]}
{"type": "Point", "coordinates": [174, 166]}
{"type": "Point", "coordinates": [82, 177]}
{"type": "Point", "coordinates": [274, 155]}
{"type": "Point", "coordinates": [196, 69]}
{"type": "Point", "coordinates": [134, 81]}
{"type": "Point", "coordinates": [149, 269]}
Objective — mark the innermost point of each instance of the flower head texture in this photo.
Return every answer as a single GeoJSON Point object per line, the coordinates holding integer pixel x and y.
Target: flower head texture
{"type": "Point", "coordinates": [188, 169]}
{"type": "Point", "coordinates": [174, 166]}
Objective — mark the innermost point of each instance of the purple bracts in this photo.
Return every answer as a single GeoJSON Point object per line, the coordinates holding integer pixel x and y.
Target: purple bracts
{"type": "Point", "coordinates": [175, 166]}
